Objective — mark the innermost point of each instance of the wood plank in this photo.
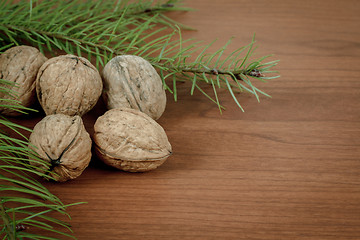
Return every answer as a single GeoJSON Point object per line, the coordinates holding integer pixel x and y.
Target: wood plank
{"type": "Point", "coordinates": [287, 168]}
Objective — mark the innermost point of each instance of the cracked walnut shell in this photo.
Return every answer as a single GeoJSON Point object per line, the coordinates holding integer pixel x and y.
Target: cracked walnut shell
{"type": "Point", "coordinates": [19, 65]}
{"type": "Point", "coordinates": [62, 141]}
{"type": "Point", "coordinates": [130, 140]}
{"type": "Point", "coordinates": [69, 85]}
{"type": "Point", "coordinates": [132, 82]}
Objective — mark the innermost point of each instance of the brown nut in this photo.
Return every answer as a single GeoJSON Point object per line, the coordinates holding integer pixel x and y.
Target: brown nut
{"type": "Point", "coordinates": [19, 65]}
{"type": "Point", "coordinates": [130, 140]}
{"type": "Point", "coordinates": [62, 141]}
{"type": "Point", "coordinates": [132, 82]}
{"type": "Point", "coordinates": [69, 85]}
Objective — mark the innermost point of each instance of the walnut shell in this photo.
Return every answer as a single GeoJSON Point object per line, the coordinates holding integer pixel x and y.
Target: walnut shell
{"type": "Point", "coordinates": [69, 85]}
{"type": "Point", "coordinates": [62, 141]}
{"type": "Point", "coordinates": [130, 140]}
{"type": "Point", "coordinates": [132, 82]}
{"type": "Point", "coordinates": [20, 65]}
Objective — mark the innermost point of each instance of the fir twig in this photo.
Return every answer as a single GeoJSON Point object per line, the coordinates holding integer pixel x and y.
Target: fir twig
{"type": "Point", "coordinates": [133, 28]}
{"type": "Point", "coordinates": [17, 179]}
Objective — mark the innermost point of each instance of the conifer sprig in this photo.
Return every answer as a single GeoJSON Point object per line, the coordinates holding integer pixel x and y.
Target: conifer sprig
{"type": "Point", "coordinates": [101, 30]}
{"type": "Point", "coordinates": [24, 201]}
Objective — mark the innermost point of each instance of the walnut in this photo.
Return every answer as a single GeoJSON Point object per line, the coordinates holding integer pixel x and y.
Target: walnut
{"type": "Point", "coordinates": [19, 65]}
{"type": "Point", "coordinates": [130, 140]}
{"type": "Point", "coordinates": [62, 141]}
{"type": "Point", "coordinates": [132, 82]}
{"type": "Point", "coordinates": [69, 85]}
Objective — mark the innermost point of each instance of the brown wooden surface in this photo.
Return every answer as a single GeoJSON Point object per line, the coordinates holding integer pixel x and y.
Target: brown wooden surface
{"type": "Point", "coordinates": [287, 168]}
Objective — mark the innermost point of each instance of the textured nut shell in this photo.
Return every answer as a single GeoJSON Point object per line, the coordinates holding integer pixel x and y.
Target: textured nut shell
{"type": "Point", "coordinates": [20, 65]}
{"type": "Point", "coordinates": [130, 140]}
{"type": "Point", "coordinates": [61, 136]}
{"type": "Point", "coordinates": [69, 85]}
{"type": "Point", "coordinates": [132, 82]}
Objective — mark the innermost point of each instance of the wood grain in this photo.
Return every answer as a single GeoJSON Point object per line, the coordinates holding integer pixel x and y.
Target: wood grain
{"type": "Point", "coordinates": [287, 168]}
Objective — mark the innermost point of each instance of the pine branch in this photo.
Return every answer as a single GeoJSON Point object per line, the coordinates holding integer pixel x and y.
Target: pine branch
{"type": "Point", "coordinates": [17, 179]}
{"type": "Point", "coordinates": [165, 61]}
{"type": "Point", "coordinates": [134, 29]}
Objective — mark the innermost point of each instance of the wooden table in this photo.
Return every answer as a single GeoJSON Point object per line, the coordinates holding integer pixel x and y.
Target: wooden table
{"type": "Point", "coordinates": [287, 168]}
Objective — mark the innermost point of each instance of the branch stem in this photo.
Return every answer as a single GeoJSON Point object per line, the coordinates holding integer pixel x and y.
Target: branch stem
{"type": "Point", "coordinates": [181, 69]}
{"type": "Point", "coordinates": [59, 36]}
{"type": "Point", "coordinates": [206, 71]}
